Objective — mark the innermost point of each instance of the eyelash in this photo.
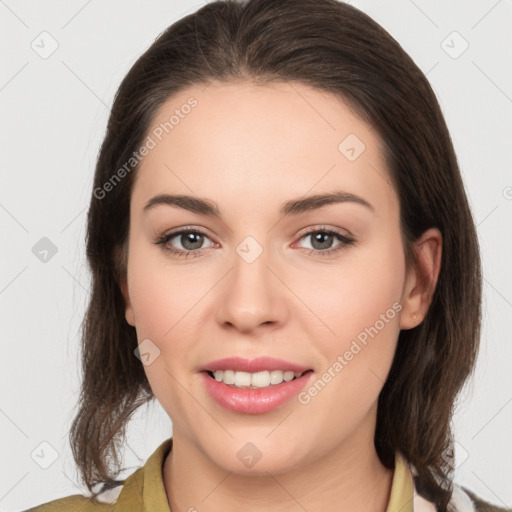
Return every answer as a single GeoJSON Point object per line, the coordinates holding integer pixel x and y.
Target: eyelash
{"type": "Point", "coordinates": [164, 239]}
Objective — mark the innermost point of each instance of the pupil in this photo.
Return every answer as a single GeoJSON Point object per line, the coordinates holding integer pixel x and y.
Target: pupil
{"type": "Point", "coordinates": [189, 239]}
{"type": "Point", "coordinates": [319, 237]}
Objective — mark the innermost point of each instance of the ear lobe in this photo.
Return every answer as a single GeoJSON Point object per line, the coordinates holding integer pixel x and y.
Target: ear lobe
{"type": "Point", "coordinates": [422, 279]}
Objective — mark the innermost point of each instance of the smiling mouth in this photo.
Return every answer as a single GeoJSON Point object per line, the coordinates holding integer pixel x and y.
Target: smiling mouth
{"type": "Point", "coordinates": [295, 377]}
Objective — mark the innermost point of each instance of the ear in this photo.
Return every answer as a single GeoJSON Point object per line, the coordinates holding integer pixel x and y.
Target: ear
{"type": "Point", "coordinates": [121, 260]}
{"type": "Point", "coordinates": [128, 312]}
{"type": "Point", "coordinates": [421, 279]}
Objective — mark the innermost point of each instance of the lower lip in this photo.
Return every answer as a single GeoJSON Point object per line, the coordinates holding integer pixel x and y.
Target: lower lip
{"type": "Point", "coordinates": [254, 401]}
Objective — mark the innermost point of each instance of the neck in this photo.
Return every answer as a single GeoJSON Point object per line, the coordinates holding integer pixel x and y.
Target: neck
{"type": "Point", "coordinates": [348, 478]}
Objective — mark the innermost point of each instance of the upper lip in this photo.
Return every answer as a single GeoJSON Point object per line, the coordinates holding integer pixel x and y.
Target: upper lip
{"type": "Point", "coordinates": [259, 364]}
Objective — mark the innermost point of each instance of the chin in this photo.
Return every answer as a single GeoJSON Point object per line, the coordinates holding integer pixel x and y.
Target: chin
{"type": "Point", "coordinates": [254, 459]}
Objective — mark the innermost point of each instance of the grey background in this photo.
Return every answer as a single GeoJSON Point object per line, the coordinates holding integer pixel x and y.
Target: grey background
{"type": "Point", "coordinates": [54, 112]}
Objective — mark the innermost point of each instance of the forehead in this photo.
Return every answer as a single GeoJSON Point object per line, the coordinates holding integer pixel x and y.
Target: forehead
{"type": "Point", "coordinates": [240, 142]}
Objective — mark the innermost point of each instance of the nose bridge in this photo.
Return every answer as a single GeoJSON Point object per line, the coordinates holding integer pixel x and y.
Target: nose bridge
{"type": "Point", "coordinates": [252, 293]}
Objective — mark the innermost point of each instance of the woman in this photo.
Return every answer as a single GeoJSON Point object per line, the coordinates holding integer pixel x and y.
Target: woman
{"type": "Point", "coordinates": [283, 255]}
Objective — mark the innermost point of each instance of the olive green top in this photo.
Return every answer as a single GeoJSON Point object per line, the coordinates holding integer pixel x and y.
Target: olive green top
{"type": "Point", "coordinates": [144, 491]}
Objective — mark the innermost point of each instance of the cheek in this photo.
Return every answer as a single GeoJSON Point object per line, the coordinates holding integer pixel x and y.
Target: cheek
{"type": "Point", "coordinates": [168, 300]}
{"type": "Point", "coordinates": [359, 304]}
{"type": "Point", "coordinates": [161, 291]}
{"type": "Point", "coordinates": [358, 301]}
{"type": "Point", "coordinates": [361, 285]}
{"type": "Point", "coordinates": [163, 299]}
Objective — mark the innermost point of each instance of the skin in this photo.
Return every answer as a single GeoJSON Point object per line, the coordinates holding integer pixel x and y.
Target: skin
{"type": "Point", "coordinates": [251, 148]}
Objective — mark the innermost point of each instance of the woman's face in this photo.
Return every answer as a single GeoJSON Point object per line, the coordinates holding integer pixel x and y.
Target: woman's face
{"type": "Point", "coordinates": [264, 278]}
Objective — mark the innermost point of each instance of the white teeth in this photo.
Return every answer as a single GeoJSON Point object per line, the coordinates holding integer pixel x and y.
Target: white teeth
{"type": "Point", "coordinates": [242, 379]}
{"type": "Point", "coordinates": [255, 380]}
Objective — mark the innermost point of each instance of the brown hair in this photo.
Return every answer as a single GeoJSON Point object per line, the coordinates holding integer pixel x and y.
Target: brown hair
{"type": "Point", "coordinates": [333, 47]}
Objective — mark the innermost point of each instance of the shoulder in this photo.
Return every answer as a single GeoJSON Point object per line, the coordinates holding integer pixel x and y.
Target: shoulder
{"type": "Point", "coordinates": [462, 499]}
{"type": "Point", "coordinates": [143, 489]}
{"type": "Point", "coordinates": [116, 498]}
{"type": "Point", "coordinates": [73, 503]}
{"type": "Point", "coordinates": [107, 500]}
{"type": "Point", "coordinates": [479, 504]}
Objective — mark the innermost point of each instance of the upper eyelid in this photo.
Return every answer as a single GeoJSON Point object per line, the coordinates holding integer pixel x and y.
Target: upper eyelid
{"type": "Point", "coordinates": [324, 227]}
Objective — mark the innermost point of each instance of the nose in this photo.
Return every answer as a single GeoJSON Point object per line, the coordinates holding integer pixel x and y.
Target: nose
{"type": "Point", "coordinates": [253, 294]}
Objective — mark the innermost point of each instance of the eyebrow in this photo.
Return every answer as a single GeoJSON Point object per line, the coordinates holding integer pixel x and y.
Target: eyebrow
{"type": "Point", "coordinates": [289, 208]}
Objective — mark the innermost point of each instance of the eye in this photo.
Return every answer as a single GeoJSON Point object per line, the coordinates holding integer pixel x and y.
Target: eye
{"type": "Point", "coordinates": [191, 241]}
{"type": "Point", "coordinates": [323, 238]}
